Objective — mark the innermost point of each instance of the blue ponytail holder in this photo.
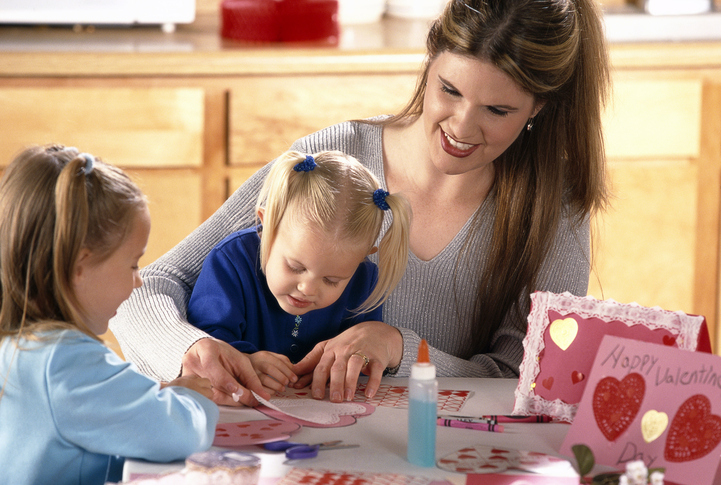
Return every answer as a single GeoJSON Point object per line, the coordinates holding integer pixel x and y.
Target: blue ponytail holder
{"type": "Point", "coordinates": [306, 165]}
{"type": "Point", "coordinates": [379, 197]}
{"type": "Point", "coordinates": [89, 163]}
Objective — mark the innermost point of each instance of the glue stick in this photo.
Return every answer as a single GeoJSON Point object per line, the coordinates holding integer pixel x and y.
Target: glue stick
{"type": "Point", "coordinates": [422, 410]}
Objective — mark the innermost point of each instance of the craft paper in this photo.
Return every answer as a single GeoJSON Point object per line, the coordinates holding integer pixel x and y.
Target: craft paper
{"type": "Point", "coordinates": [486, 465]}
{"type": "Point", "coordinates": [564, 332]}
{"type": "Point", "coordinates": [312, 412]}
{"type": "Point", "coordinates": [244, 433]}
{"type": "Point", "coordinates": [655, 403]}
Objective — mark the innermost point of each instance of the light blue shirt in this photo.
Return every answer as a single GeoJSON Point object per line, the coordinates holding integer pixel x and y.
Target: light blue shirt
{"type": "Point", "coordinates": [71, 408]}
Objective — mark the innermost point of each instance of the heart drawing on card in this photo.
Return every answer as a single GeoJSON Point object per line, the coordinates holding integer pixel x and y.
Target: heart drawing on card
{"type": "Point", "coordinates": [577, 377]}
{"type": "Point", "coordinates": [669, 340]}
{"type": "Point", "coordinates": [616, 403]}
{"type": "Point", "coordinates": [694, 431]}
{"type": "Point", "coordinates": [563, 332]}
{"type": "Point", "coordinates": [548, 382]}
{"type": "Point", "coordinates": [653, 424]}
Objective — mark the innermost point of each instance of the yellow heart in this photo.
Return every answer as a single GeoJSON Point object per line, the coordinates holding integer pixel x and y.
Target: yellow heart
{"type": "Point", "coordinates": [563, 332]}
{"type": "Point", "coordinates": [653, 424]}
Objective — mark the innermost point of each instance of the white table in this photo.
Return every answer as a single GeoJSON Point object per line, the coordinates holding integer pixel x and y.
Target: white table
{"type": "Point", "coordinates": [382, 436]}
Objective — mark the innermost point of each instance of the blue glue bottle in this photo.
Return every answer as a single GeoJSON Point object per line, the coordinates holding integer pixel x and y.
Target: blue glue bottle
{"type": "Point", "coordinates": [422, 410]}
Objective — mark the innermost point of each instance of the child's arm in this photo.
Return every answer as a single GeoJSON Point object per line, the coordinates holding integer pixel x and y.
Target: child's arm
{"type": "Point", "coordinates": [102, 404]}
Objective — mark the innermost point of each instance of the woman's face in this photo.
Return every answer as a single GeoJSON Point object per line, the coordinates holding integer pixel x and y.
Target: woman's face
{"type": "Point", "coordinates": [472, 112]}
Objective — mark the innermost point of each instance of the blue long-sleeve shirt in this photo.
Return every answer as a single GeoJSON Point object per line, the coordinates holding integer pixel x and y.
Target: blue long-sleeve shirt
{"type": "Point", "coordinates": [71, 410]}
{"type": "Point", "coordinates": [232, 302]}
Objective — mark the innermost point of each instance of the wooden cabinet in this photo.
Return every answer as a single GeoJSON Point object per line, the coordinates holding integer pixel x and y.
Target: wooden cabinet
{"type": "Point", "coordinates": [154, 133]}
{"type": "Point", "coordinates": [193, 116]}
{"type": "Point", "coordinates": [659, 242]}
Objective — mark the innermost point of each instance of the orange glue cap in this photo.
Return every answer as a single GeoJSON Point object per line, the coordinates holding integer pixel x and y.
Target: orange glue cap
{"type": "Point", "coordinates": [423, 369]}
{"type": "Point", "coordinates": [423, 353]}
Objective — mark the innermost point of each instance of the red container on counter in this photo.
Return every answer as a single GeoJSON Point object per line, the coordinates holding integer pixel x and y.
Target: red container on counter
{"type": "Point", "coordinates": [280, 20]}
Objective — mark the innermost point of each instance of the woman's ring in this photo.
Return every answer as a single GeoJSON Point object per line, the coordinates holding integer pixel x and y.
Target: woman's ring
{"type": "Point", "coordinates": [366, 360]}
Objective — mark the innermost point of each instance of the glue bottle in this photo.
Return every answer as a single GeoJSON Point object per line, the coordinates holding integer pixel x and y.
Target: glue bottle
{"type": "Point", "coordinates": [422, 410]}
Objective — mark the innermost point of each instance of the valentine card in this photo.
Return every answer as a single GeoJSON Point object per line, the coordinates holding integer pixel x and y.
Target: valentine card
{"type": "Point", "coordinates": [564, 332]}
{"type": "Point", "coordinates": [655, 403]}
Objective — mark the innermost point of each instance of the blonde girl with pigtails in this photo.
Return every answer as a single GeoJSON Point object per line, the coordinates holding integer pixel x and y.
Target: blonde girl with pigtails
{"type": "Point", "coordinates": [302, 275]}
{"type": "Point", "coordinates": [72, 230]}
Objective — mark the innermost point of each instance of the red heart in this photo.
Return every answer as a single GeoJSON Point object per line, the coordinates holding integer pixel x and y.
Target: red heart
{"type": "Point", "coordinates": [694, 431]}
{"type": "Point", "coordinates": [669, 340]}
{"type": "Point", "coordinates": [577, 377]}
{"type": "Point", "coordinates": [616, 403]}
{"type": "Point", "coordinates": [548, 382]}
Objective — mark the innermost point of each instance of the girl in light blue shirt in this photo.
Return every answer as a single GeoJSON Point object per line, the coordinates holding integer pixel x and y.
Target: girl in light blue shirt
{"type": "Point", "coordinates": [72, 230]}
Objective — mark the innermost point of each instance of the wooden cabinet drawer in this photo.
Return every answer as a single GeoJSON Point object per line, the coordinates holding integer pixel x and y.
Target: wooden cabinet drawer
{"type": "Point", "coordinates": [654, 118]}
{"type": "Point", "coordinates": [267, 114]}
{"type": "Point", "coordinates": [129, 127]}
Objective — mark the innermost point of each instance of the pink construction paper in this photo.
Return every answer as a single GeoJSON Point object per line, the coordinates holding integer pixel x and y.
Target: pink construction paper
{"type": "Point", "coordinates": [343, 419]}
{"type": "Point", "coordinates": [553, 378]}
{"type": "Point", "coordinates": [655, 403]}
{"type": "Point", "coordinates": [233, 435]}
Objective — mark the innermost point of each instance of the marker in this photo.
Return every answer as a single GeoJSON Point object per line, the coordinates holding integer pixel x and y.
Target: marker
{"type": "Point", "coordinates": [495, 419]}
{"type": "Point", "coordinates": [537, 418]}
{"type": "Point", "coordinates": [457, 423]}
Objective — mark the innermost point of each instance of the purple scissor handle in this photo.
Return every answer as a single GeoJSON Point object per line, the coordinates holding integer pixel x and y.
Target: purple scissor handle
{"type": "Point", "coordinates": [300, 451]}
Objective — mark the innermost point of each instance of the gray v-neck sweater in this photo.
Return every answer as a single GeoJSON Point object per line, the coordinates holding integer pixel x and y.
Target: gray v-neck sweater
{"type": "Point", "coordinates": [434, 299]}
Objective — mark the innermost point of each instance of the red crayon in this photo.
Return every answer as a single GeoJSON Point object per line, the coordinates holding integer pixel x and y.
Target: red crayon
{"type": "Point", "coordinates": [457, 423]}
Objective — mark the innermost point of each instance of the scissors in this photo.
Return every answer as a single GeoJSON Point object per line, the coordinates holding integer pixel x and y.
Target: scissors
{"type": "Point", "coordinates": [300, 451]}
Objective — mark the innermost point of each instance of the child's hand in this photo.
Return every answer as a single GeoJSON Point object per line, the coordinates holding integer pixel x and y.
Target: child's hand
{"type": "Point", "coordinates": [274, 370]}
{"type": "Point", "coordinates": [197, 384]}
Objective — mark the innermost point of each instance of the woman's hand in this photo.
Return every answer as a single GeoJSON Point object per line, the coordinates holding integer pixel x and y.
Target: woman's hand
{"type": "Point", "coordinates": [341, 359]}
{"type": "Point", "coordinates": [197, 384]}
{"type": "Point", "coordinates": [226, 368]}
{"type": "Point", "coordinates": [275, 370]}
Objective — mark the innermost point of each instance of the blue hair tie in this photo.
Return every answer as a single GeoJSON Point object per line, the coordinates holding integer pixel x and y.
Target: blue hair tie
{"type": "Point", "coordinates": [306, 165]}
{"type": "Point", "coordinates": [379, 197]}
{"type": "Point", "coordinates": [89, 163]}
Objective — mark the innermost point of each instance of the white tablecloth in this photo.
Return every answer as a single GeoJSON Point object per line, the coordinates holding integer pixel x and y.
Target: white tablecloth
{"type": "Point", "coordinates": [382, 436]}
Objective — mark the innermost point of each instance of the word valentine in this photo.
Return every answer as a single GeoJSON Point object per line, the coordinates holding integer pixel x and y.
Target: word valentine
{"type": "Point", "coordinates": [662, 375]}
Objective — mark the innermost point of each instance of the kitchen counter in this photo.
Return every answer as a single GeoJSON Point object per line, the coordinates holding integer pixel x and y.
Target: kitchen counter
{"type": "Point", "coordinates": [197, 49]}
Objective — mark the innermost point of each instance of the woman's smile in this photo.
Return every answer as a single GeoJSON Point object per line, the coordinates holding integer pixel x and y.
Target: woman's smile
{"type": "Point", "coordinates": [456, 148]}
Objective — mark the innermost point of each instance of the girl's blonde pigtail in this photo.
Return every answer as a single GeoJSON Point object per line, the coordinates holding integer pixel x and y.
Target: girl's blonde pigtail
{"type": "Point", "coordinates": [392, 252]}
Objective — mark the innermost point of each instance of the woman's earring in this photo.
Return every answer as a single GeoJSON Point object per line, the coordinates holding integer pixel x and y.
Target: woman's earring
{"type": "Point", "coordinates": [529, 125]}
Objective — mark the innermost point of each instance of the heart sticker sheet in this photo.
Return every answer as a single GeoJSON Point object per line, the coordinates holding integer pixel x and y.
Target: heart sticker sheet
{"type": "Point", "coordinates": [493, 459]}
{"type": "Point", "coordinates": [564, 332]}
{"type": "Point", "coordinates": [651, 402]}
{"type": "Point", "coordinates": [244, 433]}
{"type": "Point", "coordinates": [327, 477]}
{"type": "Point", "coordinates": [449, 400]}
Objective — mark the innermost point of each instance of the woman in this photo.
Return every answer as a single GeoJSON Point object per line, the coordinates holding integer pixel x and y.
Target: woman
{"type": "Point", "coordinates": [500, 154]}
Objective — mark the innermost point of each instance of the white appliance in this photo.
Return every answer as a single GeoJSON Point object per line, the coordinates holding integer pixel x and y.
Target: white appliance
{"type": "Point", "coordinates": [97, 12]}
